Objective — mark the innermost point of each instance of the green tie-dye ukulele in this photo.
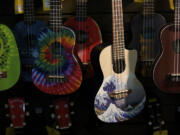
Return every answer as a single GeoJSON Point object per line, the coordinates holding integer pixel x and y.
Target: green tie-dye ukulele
{"type": "Point", "coordinates": [9, 59]}
{"type": "Point", "coordinates": [56, 69]}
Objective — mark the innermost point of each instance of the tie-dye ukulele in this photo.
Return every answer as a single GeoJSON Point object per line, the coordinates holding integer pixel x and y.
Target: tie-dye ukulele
{"type": "Point", "coordinates": [9, 59]}
{"type": "Point", "coordinates": [56, 70]}
{"type": "Point", "coordinates": [121, 95]}
{"type": "Point", "coordinates": [26, 33]}
{"type": "Point", "coordinates": [88, 36]}
{"type": "Point", "coordinates": [145, 28]}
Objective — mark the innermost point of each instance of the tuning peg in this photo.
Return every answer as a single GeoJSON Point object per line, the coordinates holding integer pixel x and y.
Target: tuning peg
{"type": "Point", "coordinates": [27, 104]}
{"type": "Point", "coordinates": [27, 114]}
{"type": "Point", "coordinates": [57, 127]}
{"type": "Point", "coordinates": [53, 116]}
{"type": "Point", "coordinates": [24, 123]}
{"type": "Point", "coordinates": [162, 122]}
{"type": "Point", "coordinates": [11, 125]}
{"type": "Point", "coordinates": [71, 104]}
{"type": "Point", "coordinates": [72, 113]}
{"type": "Point", "coordinates": [149, 123]}
{"type": "Point", "coordinates": [51, 106]}
{"type": "Point", "coordinates": [70, 124]}
{"type": "Point", "coordinates": [6, 106]}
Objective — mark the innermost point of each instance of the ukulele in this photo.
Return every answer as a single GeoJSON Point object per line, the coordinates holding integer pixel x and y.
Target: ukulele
{"type": "Point", "coordinates": [88, 36]}
{"type": "Point", "coordinates": [121, 95]}
{"type": "Point", "coordinates": [56, 69]}
{"type": "Point", "coordinates": [62, 114]}
{"type": "Point", "coordinates": [9, 59]}
{"type": "Point", "coordinates": [145, 29]}
{"type": "Point", "coordinates": [17, 112]}
{"type": "Point", "coordinates": [26, 33]}
{"type": "Point", "coordinates": [166, 74]}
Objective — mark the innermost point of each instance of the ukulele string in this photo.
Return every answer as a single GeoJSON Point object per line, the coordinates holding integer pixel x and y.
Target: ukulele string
{"type": "Point", "coordinates": [120, 32]}
{"type": "Point", "coordinates": [175, 35]}
{"type": "Point", "coordinates": [122, 35]}
{"type": "Point", "coordinates": [26, 28]}
{"type": "Point", "coordinates": [58, 31]}
{"type": "Point", "coordinates": [178, 43]}
{"type": "Point", "coordinates": [141, 48]}
{"type": "Point", "coordinates": [31, 30]}
{"type": "Point", "coordinates": [28, 4]}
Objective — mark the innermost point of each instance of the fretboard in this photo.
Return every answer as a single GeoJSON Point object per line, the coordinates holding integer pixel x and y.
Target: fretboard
{"type": "Point", "coordinates": [118, 30]}
{"type": "Point", "coordinates": [29, 11]}
{"type": "Point", "coordinates": [148, 8]}
{"type": "Point", "coordinates": [81, 10]}
{"type": "Point", "coordinates": [55, 15]}
{"type": "Point", "coordinates": [177, 14]}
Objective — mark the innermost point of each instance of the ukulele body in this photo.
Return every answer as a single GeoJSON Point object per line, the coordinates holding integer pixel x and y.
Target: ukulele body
{"type": "Point", "coordinates": [9, 59]}
{"type": "Point", "coordinates": [112, 110]}
{"type": "Point", "coordinates": [26, 36]}
{"type": "Point", "coordinates": [88, 36]}
{"type": "Point", "coordinates": [145, 31]}
{"type": "Point", "coordinates": [166, 71]}
{"type": "Point", "coordinates": [56, 69]}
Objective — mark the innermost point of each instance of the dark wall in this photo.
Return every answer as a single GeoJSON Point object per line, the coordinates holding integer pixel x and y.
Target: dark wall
{"type": "Point", "coordinates": [85, 121]}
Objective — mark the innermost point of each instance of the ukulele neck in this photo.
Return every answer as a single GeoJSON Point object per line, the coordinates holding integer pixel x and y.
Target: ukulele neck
{"type": "Point", "coordinates": [29, 11]}
{"type": "Point", "coordinates": [177, 14]}
{"type": "Point", "coordinates": [55, 15]}
{"type": "Point", "coordinates": [81, 10]}
{"type": "Point", "coordinates": [148, 8]}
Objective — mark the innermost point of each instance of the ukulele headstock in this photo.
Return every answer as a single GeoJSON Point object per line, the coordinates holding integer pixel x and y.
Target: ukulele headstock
{"type": "Point", "coordinates": [16, 112]}
{"type": "Point", "coordinates": [62, 114]}
{"type": "Point", "coordinates": [156, 121]}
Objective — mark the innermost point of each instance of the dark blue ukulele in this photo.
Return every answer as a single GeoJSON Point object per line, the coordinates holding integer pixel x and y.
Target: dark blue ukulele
{"type": "Point", "coordinates": [26, 33]}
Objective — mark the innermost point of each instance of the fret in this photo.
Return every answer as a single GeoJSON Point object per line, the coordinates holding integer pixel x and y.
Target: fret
{"type": "Point", "coordinates": [148, 8]}
{"type": "Point", "coordinates": [177, 14]}
{"type": "Point", "coordinates": [29, 11]}
{"type": "Point", "coordinates": [118, 30]}
{"type": "Point", "coordinates": [55, 15]}
{"type": "Point", "coordinates": [81, 9]}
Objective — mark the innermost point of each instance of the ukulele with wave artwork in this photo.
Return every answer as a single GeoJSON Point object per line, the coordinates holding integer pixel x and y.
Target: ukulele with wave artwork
{"type": "Point", "coordinates": [26, 33]}
{"type": "Point", "coordinates": [121, 95]}
{"type": "Point", "coordinates": [56, 68]}
{"type": "Point", "coordinates": [9, 59]}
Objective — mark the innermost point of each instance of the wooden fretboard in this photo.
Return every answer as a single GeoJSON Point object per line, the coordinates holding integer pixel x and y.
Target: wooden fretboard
{"type": "Point", "coordinates": [81, 10]}
{"type": "Point", "coordinates": [118, 30]}
{"type": "Point", "coordinates": [177, 14]}
{"type": "Point", "coordinates": [55, 15]}
{"type": "Point", "coordinates": [29, 11]}
{"type": "Point", "coordinates": [148, 8]}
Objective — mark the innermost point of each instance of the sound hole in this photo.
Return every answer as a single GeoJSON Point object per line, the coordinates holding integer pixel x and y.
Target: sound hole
{"type": "Point", "coordinates": [82, 37]}
{"type": "Point", "coordinates": [118, 65]}
{"type": "Point", "coordinates": [176, 46]}
{"type": "Point", "coordinates": [56, 50]}
{"type": "Point", "coordinates": [26, 49]}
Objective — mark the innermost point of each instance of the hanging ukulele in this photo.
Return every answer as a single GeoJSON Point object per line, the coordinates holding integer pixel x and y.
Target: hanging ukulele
{"type": "Point", "coordinates": [56, 70]}
{"type": "Point", "coordinates": [26, 33]}
{"type": "Point", "coordinates": [88, 35]}
{"type": "Point", "coordinates": [9, 59]}
{"type": "Point", "coordinates": [121, 95]}
{"type": "Point", "coordinates": [166, 73]}
{"type": "Point", "coordinates": [145, 29]}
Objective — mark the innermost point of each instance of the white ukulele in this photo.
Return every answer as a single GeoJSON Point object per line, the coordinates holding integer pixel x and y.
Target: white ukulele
{"type": "Point", "coordinates": [121, 95]}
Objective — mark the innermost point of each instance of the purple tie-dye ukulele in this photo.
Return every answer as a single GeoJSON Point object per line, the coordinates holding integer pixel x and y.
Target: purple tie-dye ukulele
{"type": "Point", "coordinates": [56, 69]}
